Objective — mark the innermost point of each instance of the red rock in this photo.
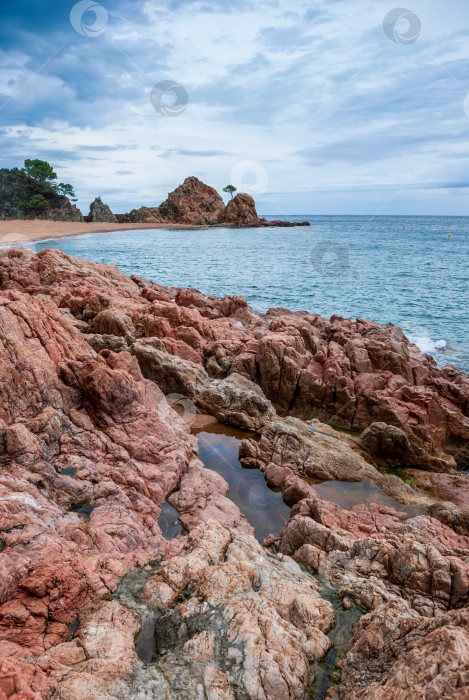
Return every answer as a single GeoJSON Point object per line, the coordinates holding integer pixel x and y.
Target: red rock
{"type": "Point", "coordinates": [240, 211]}
{"type": "Point", "coordinates": [448, 487]}
{"type": "Point", "coordinates": [353, 374]}
{"type": "Point", "coordinates": [193, 203]}
{"type": "Point", "coordinates": [81, 428]}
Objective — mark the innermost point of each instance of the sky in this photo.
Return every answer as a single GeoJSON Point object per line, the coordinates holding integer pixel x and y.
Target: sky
{"type": "Point", "coordinates": [313, 107]}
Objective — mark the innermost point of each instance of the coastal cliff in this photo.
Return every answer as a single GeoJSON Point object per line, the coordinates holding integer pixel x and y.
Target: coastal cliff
{"type": "Point", "coordinates": [95, 601]}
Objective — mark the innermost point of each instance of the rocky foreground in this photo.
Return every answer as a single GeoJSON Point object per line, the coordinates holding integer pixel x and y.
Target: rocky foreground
{"type": "Point", "coordinates": [96, 603]}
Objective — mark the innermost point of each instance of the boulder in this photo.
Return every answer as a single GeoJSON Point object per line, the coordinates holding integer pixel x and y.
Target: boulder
{"type": "Point", "coordinates": [100, 212]}
{"type": "Point", "coordinates": [240, 211]}
{"type": "Point", "coordinates": [192, 203]}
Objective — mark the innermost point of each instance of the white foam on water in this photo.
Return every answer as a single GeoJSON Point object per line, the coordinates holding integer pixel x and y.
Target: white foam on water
{"type": "Point", "coordinates": [426, 344]}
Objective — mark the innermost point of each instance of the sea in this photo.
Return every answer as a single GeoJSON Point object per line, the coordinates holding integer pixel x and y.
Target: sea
{"type": "Point", "coordinates": [411, 271]}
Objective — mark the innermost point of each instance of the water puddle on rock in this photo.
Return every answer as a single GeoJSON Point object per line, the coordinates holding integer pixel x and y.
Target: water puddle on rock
{"type": "Point", "coordinates": [325, 672]}
{"type": "Point", "coordinates": [263, 507]}
{"type": "Point", "coordinates": [127, 592]}
{"type": "Point", "coordinates": [84, 511]}
{"type": "Point", "coordinates": [169, 522]}
{"type": "Point", "coordinates": [266, 511]}
{"type": "Point", "coordinates": [352, 493]}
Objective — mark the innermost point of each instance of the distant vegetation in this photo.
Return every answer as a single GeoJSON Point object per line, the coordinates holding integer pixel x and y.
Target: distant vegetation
{"type": "Point", "coordinates": [31, 190]}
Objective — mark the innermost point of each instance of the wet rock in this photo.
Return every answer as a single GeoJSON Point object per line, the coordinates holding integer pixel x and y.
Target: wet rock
{"type": "Point", "coordinates": [316, 452]}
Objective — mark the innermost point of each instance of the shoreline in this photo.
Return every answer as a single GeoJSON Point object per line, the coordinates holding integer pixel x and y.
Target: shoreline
{"type": "Point", "coordinates": [14, 231]}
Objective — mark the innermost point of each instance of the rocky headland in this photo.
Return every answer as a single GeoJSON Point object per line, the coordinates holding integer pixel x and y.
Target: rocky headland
{"type": "Point", "coordinates": [197, 204]}
{"type": "Point", "coordinates": [95, 600]}
{"type": "Point", "coordinates": [30, 194]}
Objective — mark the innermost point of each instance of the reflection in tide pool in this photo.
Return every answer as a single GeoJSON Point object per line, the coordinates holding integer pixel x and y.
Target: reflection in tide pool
{"type": "Point", "coordinates": [169, 522]}
{"type": "Point", "coordinates": [263, 507]}
{"type": "Point", "coordinates": [351, 493]}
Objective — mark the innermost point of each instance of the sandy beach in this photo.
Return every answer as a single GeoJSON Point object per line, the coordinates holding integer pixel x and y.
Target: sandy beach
{"type": "Point", "coordinates": [20, 231]}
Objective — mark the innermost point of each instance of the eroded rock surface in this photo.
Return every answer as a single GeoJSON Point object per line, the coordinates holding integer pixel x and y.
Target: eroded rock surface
{"type": "Point", "coordinates": [231, 621]}
{"type": "Point", "coordinates": [194, 203]}
{"type": "Point", "coordinates": [101, 212]}
{"type": "Point", "coordinates": [240, 211]}
{"type": "Point", "coordinates": [357, 375]}
{"type": "Point", "coordinates": [90, 448]}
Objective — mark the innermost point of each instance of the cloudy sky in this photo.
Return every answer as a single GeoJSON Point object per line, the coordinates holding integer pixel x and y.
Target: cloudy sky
{"type": "Point", "coordinates": [309, 105]}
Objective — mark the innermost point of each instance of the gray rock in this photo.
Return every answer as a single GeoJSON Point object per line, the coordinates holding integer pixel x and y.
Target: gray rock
{"type": "Point", "coordinates": [101, 212]}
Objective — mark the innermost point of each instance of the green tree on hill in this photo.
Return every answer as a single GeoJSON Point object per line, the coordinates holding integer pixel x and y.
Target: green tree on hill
{"type": "Point", "coordinates": [66, 190]}
{"type": "Point", "coordinates": [39, 170]}
{"type": "Point", "coordinates": [37, 202]}
{"type": "Point", "coordinates": [31, 189]}
{"type": "Point", "coordinates": [231, 189]}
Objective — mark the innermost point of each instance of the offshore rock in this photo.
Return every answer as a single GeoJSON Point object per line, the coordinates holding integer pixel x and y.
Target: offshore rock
{"type": "Point", "coordinates": [240, 211]}
{"type": "Point", "coordinates": [193, 203]}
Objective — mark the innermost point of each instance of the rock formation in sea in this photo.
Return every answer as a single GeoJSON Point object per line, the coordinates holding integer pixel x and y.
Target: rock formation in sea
{"type": "Point", "coordinates": [196, 204]}
{"type": "Point", "coordinates": [95, 602]}
{"type": "Point", "coordinates": [100, 212]}
{"type": "Point", "coordinates": [192, 203]}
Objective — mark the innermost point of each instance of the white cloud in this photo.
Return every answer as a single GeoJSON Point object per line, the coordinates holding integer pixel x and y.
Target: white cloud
{"type": "Point", "coordinates": [340, 117]}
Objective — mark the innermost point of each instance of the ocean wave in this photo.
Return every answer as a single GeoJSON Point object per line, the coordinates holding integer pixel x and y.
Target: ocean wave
{"type": "Point", "coordinates": [426, 344]}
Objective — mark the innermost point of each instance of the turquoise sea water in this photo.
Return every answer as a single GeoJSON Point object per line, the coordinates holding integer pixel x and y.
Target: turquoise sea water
{"type": "Point", "coordinates": [415, 277]}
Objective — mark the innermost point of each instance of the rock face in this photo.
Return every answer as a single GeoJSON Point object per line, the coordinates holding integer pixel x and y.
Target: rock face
{"type": "Point", "coordinates": [407, 576]}
{"type": "Point", "coordinates": [355, 375]}
{"type": "Point", "coordinates": [240, 211]}
{"type": "Point", "coordinates": [193, 203]}
{"type": "Point", "coordinates": [63, 211]}
{"type": "Point", "coordinates": [96, 602]}
{"type": "Point", "coordinates": [149, 215]}
{"type": "Point", "coordinates": [101, 212]}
